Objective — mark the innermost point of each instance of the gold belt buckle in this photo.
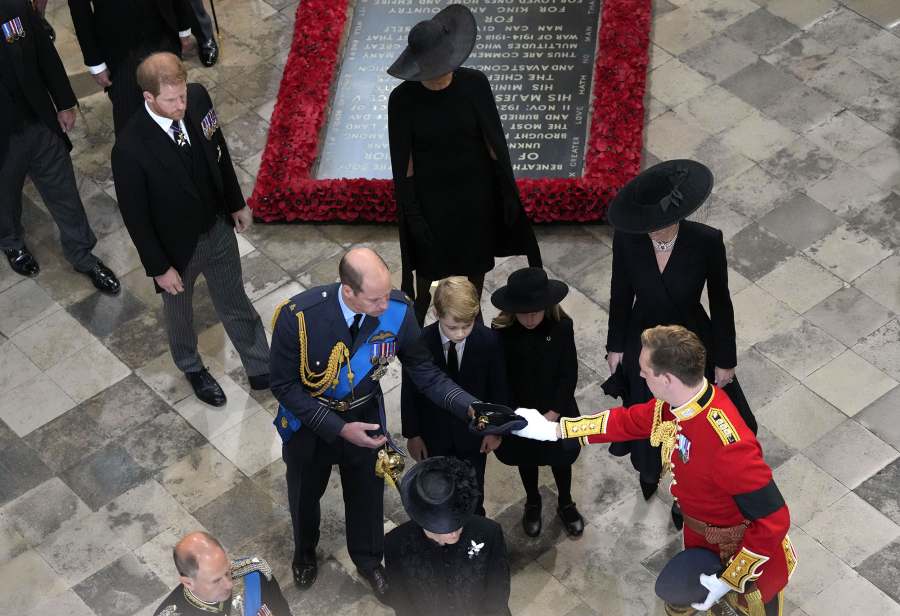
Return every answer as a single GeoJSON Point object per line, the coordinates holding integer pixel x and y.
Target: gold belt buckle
{"type": "Point", "coordinates": [342, 406]}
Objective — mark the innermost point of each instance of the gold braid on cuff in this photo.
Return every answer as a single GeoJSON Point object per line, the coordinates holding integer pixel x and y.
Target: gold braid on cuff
{"type": "Point", "coordinates": [584, 426]}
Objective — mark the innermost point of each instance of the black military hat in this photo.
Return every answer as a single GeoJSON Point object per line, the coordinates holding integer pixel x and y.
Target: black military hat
{"type": "Point", "coordinates": [440, 493]}
{"type": "Point", "coordinates": [437, 46]}
{"type": "Point", "coordinates": [496, 419]}
{"type": "Point", "coordinates": [679, 581]}
{"type": "Point", "coordinates": [661, 196]}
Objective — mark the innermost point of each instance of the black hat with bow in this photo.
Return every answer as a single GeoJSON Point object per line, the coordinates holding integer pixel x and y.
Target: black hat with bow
{"type": "Point", "coordinates": [440, 493]}
{"type": "Point", "coordinates": [437, 46]}
{"type": "Point", "coordinates": [661, 196]}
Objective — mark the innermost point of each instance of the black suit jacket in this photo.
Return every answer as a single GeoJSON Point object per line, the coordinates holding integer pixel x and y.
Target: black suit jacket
{"type": "Point", "coordinates": [641, 297]}
{"type": "Point", "coordinates": [35, 68]}
{"type": "Point", "coordinates": [160, 202]}
{"type": "Point", "coordinates": [109, 30]}
{"type": "Point", "coordinates": [482, 373]}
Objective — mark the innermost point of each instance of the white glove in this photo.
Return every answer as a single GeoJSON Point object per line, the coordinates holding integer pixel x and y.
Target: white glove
{"type": "Point", "coordinates": [717, 589]}
{"type": "Point", "coordinates": [538, 428]}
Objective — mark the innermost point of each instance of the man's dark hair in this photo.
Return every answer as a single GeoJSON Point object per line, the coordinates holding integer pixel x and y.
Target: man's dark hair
{"type": "Point", "coordinates": [186, 564]}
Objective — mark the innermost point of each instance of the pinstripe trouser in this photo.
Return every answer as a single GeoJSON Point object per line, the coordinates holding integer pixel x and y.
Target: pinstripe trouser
{"type": "Point", "coordinates": [216, 257]}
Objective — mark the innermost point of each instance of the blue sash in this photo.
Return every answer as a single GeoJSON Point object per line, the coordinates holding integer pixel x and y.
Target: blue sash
{"type": "Point", "coordinates": [252, 593]}
{"type": "Point", "coordinates": [379, 348]}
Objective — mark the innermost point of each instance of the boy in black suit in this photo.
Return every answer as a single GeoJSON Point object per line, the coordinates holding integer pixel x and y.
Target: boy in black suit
{"type": "Point", "coordinates": [471, 355]}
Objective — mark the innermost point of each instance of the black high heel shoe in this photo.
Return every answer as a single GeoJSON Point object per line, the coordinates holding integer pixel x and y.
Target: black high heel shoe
{"type": "Point", "coordinates": [648, 489]}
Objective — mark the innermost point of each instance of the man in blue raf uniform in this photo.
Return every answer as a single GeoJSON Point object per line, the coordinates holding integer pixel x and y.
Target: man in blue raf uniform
{"type": "Point", "coordinates": [330, 346]}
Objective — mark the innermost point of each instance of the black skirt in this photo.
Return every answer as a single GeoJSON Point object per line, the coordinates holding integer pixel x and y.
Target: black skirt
{"type": "Point", "coordinates": [518, 451]}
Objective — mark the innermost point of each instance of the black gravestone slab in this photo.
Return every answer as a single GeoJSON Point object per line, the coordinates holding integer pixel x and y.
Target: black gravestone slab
{"type": "Point", "coordinates": [537, 54]}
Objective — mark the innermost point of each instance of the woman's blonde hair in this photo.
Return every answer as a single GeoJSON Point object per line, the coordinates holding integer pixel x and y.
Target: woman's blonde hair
{"type": "Point", "coordinates": [457, 298]}
{"type": "Point", "coordinates": [505, 319]}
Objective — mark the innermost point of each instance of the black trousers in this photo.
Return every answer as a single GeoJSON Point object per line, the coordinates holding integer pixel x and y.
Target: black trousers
{"type": "Point", "coordinates": [203, 26]}
{"type": "Point", "coordinates": [309, 461]}
{"type": "Point", "coordinates": [41, 154]}
{"type": "Point", "coordinates": [423, 294]}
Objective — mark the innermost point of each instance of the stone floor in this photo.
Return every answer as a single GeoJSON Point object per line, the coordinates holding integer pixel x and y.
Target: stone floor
{"type": "Point", "coordinates": [106, 458]}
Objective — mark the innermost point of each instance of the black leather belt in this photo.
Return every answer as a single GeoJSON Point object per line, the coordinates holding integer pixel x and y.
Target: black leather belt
{"type": "Point", "coordinates": [342, 406]}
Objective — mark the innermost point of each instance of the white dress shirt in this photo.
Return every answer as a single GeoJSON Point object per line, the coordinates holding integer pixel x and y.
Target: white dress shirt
{"type": "Point", "coordinates": [166, 124]}
{"type": "Point", "coordinates": [445, 343]}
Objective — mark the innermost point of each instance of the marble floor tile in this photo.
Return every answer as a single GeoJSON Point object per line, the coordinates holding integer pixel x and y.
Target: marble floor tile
{"type": "Point", "coordinates": [21, 575]}
{"type": "Point", "coordinates": [881, 348]}
{"type": "Point", "coordinates": [802, 108]}
{"type": "Point", "coordinates": [719, 57]}
{"type": "Point", "coordinates": [882, 569]}
{"type": "Point", "coordinates": [883, 12]}
{"type": "Point", "coordinates": [849, 594]}
{"type": "Point", "coordinates": [40, 512]}
{"type": "Point", "coordinates": [293, 247]}
{"type": "Point", "coordinates": [102, 314]}
{"type": "Point", "coordinates": [850, 453]}
{"type": "Point", "coordinates": [156, 554]}
{"type": "Point", "coordinates": [569, 249]}
{"type": "Point", "coordinates": [849, 382]}
{"type": "Point", "coordinates": [21, 469]}
{"type": "Point", "coordinates": [88, 372]}
{"type": "Point", "coordinates": [775, 451]}
{"type": "Point", "coordinates": [760, 31]}
{"type": "Point", "coordinates": [165, 379]}
{"type": "Point", "coordinates": [801, 14]}
{"type": "Point", "coordinates": [52, 339]}
{"type": "Point", "coordinates": [251, 444]}
{"type": "Point", "coordinates": [759, 83]}
{"type": "Point", "coordinates": [843, 28]}
{"type": "Point", "coordinates": [595, 279]}
{"type": "Point", "coordinates": [758, 315]}
{"type": "Point", "coordinates": [33, 404]}
{"type": "Point", "coordinates": [846, 81]}
{"type": "Point", "coordinates": [882, 490]}
{"type": "Point", "coordinates": [338, 589]}
{"type": "Point", "coordinates": [678, 30]}
{"type": "Point", "coordinates": [801, 349]}
{"type": "Point", "coordinates": [117, 251]}
{"type": "Point", "coordinates": [22, 305]}
{"type": "Point", "coordinates": [846, 191]}
{"type": "Point", "coordinates": [240, 514]}
{"type": "Point", "coordinates": [211, 421]}
{"type": "Point", "coordinates": [275, 549]}
{"type": "Point", "coordinates": [535, 591]}
{"type": "Point", "coordinates": [246, 135]}
{"type": "Point", "coordinates": [802, 56]}
{"type": "Point", "coordinates": [879, 54]}
{"type": "Point", "coordinates": [880, 417]}
{"type": "Point", "coordinates": [122, 587]}
{"type": "Point", "coordinates": [723, 160]}
{"type": "Point", "coordinates": [730, 222]}
{"type": "Point", "coordinates": [753, 193]}
{"type": "Point", "coordinates": [104, 475]}
{"type": "Point", "coordinates": [800, 163]}
{"type": "Point", "coordinates": [820, 570]}
{"type": "Point", "coordinates": [658, 56]}
{"type": "Point", "coordinates": [81, 547]}
{"type": "Point", "coordinates": [852, 543]}
{"type": "Point", "coordinates": [847, 252]}
{"type": "Point", "coordinates": [670, 135]}
{"type": "Point", "coordinates": [68, 439]}
{"type": "Point", "coordinates": [12, 543]}
{"type": "Point", "coordinates": [882, 163]}
{"type": "Point", "coordinates": [817, 285]}
{"type": "Point", "coordinates": [66, 602]}
{"type": "Point", "coordinates": [806, 488]}
{"type": "Point", "coordinates": [754, 252]}
{"type": "Point", "coordinates": [723, 13]}
{"type": "Point", "coordinates": [261, 275]}
{"type": "Point", "coordinates": [716, 109]}
{"type": "Point", "coordinates": [880, 108]}
{"type": "Point", "coordinates": [846, 136]}
{"type": "Point", "coordinates": [590, 327]}
{"type": "Point", "coordinates": [202, 475]}
{"type": "Point", "coordinates": [849, 315]}
{"type": "Point", "coordinates": [143, 512]}
{"type": "Point", "coordinates": [161, 441]}
{"type": "Point", "coordinates": [799, 417]}
{"type": "Point", "coordinates": [124, 405]}
{"type": "Point", "coordinates": [880, 220]}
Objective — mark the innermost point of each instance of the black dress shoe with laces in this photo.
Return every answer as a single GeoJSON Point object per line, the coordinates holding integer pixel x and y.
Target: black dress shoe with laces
{"type": "Point", "coordinates": [571, 519]}
{"type": "Point", "coordinates": [305, 574]}
{"type": "Point", "coordinates": [531, 519]}
{"type": "Point", "coordinates": [377, 580]}
{"type": "Point", "coordinates": [104, 279]}
{"type": "Point", "coordinates": [209, 52]}
{"type": "Point", "coordinates": [206, 388]}
{"type": "Point", "coordinates": [22, 261]}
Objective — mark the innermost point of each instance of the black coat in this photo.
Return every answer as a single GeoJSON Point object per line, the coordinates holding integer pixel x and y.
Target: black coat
{"type": "Point", "coordinates": [161, 205]}
{"type": "Point", "coordinates": [459, 190]}
{"type": "Point", "coordinates": [542, 368]}
{"type": "Point", "coordinates": [482, 373]}
{"type": "Point", "coordinates": [31, 67]}
{"type": "Point", "coordinates": [453, 580]}
{"type": "Point", "coordinates": [112, 30]}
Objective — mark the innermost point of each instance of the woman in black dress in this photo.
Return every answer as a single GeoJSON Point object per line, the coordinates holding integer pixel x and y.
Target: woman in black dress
{"type": "Point", "coordinates": [661, 263]}
{"type": "Point", "coordinates": [457, 198]}
{"type": "Point", "coordinates": [542, 371]}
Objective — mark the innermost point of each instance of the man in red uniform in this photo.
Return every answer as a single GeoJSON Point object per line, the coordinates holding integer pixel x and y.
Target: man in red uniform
{"type": "Point", "coordinates": [730, 502]}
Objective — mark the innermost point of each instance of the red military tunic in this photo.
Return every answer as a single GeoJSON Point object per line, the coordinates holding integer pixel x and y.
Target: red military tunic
{"type": "Point", "coordinates": [719, 477]}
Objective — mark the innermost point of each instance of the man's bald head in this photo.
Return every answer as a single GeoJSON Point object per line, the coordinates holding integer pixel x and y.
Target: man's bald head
{"type": "Point", "coordinates": [191, 549]}
{"type": "Point", "coordinates": [365, 281]}
{"type": "Point", "coordinates": [203, 566]}
{"type": "Point", "coordinates": [159, 69]}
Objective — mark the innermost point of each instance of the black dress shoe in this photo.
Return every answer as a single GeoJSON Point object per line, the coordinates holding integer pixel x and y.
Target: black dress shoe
{"type": "Point", "coordinates": [377, 580]}
{"type": "Point", "coordinates": [305, 574]}
{"type": "Point", "coordinates": [677, 517]}
{"type": "Point", "coordinates": [209, 52]}
{"type": "Point", "coordinates": [22, 261]}
{"type": "Point", "coordinates": [206, 388]}
{"type": "Point", "coordinates": [103, 278]}
{"type": "Point", "coordinates": [648, 489]}
{"type": "Point", "coordinates": [571, 519]}
{"type": "Point", "coordinates": [531, 519]}
{"type": "Point", "coordinates": [259, 381]}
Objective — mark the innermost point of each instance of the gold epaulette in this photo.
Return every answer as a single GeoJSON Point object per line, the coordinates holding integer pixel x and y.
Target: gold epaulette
{"type": "Point", "coordinates": [242, 566]}
{"type": "Point", "coordinates": [584, 426]}
{"type": "Point", "coordinates": [278, 311]}
{"type": "Point", "coordinates": [743, 568]}
{"type": "Point", "coordinates": [723, 426]}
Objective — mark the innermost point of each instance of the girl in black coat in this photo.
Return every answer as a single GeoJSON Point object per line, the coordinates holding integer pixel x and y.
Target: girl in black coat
{"type": "Point", "coordinates": [542, 371]}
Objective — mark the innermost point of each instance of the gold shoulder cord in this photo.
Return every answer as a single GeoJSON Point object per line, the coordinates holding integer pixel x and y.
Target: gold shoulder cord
{"type": "Point", "coordinates": [663, 434]}
{"type": "Point", "coordinates": [319, 382]}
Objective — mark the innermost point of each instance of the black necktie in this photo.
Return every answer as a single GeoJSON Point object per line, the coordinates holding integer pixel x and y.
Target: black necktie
{"type": "Point", "coordinates": [452, 361]}
{"type": "Point", "coordinates": [178, 135]}
{"type": "Point", "coordinates": [354, 327]}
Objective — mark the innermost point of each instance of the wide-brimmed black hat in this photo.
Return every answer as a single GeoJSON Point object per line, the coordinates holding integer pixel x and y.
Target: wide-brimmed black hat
{"type": "Point", "coordinates": [529, 290]}
{"type": "Point", "coordinates": [440, 493]}
{"type": "Point", "coordinates": [679, 581]}
{"type": "Point", "coordinates": [661, 196]}
{"type": "Point", "coordinates": [437, 46]}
